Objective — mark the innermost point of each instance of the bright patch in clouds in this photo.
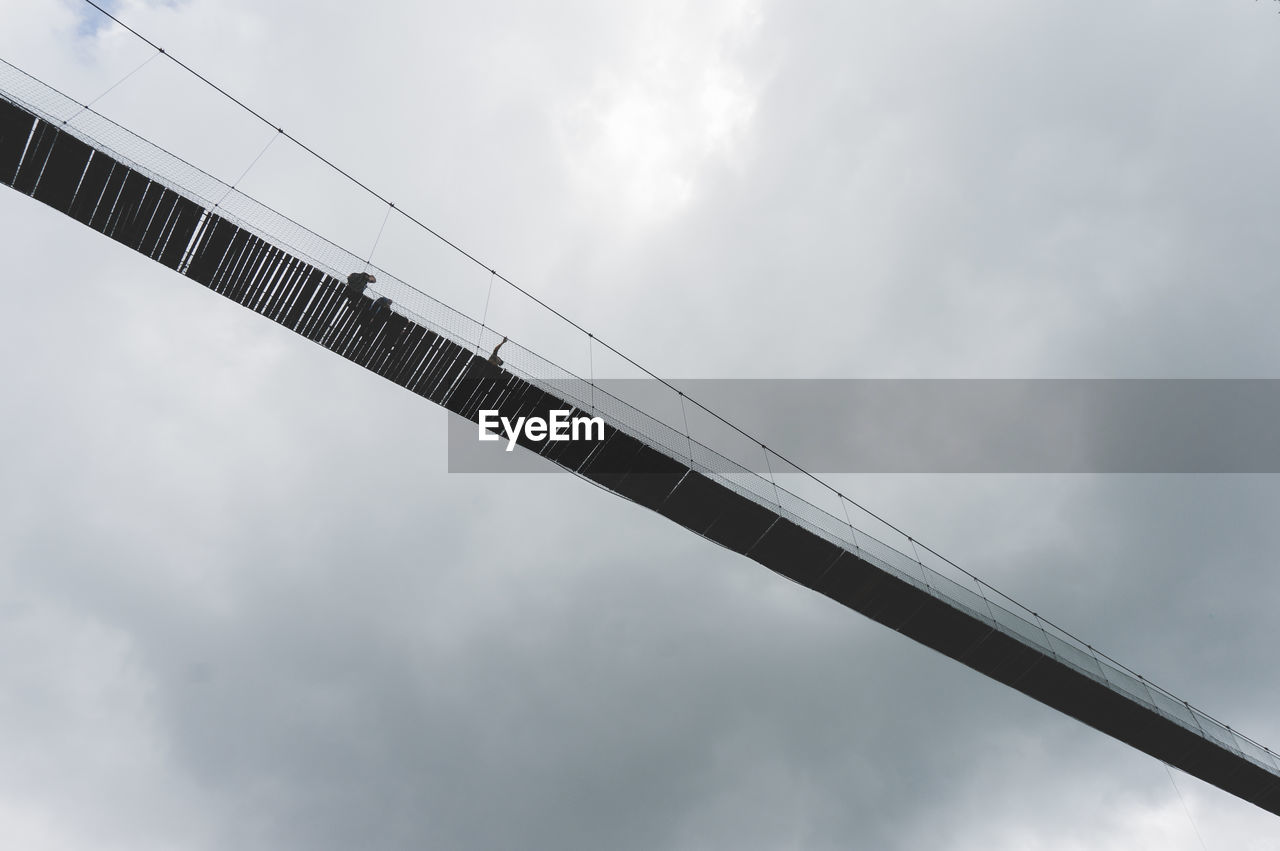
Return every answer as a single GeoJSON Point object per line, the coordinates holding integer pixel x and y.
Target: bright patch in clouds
{"type": "Point", "coordinates": [671, 105]}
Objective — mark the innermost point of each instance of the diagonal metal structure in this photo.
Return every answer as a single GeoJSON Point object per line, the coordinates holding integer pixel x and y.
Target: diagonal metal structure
{"type": "Point", "coordinates": [81, 164]}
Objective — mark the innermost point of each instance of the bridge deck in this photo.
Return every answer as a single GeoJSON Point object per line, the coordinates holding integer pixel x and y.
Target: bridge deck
{"type": "Point", "coordinates": [170, 224]}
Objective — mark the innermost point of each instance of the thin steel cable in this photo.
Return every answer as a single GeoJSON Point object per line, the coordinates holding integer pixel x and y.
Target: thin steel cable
{"type": "Point", "coordinates": [591, 366]}
{"type": "Point", "coordinates": [1185, 808]}
{"type": "Point", "coordinates": [245, 173]}
{"type": "Point", "coordinates": [924, 572]}
{"type": "Point", "coordinates": [113, 86]}
{"type": "Point", "coordinates": [776, 497]}
{"type": "Point", "coordinates": [485, 316]}
{"type": "Point", "coordinates": [688, 433]}
{"type": "Point", "coordinates": [378, 238]}
{"type": "Point", "coordinates": [852, 530]}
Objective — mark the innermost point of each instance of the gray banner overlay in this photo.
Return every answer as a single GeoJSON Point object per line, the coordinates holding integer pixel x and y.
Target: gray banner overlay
{"type": "Point", "coordinates": [952, 425]}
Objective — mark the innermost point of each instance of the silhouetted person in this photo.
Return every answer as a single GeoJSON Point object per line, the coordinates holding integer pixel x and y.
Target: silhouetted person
{"type": "Point", "coordinates": [370, 315]}
{"type": "Point", "coordinates": [357, 281]}
{"type": "Point", "coordinates": [493, 358]}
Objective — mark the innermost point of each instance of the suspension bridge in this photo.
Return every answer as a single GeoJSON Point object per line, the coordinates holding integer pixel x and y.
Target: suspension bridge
{"type": "Point", "coordinates": [65, 155]}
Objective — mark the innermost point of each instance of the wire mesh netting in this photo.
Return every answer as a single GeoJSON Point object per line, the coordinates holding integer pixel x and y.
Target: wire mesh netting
{"type": "Point", "coordinates": [939, 577]}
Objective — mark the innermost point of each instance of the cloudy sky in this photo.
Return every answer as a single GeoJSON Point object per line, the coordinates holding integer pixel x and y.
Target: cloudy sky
{"type": "Point", "coordinates": [243, 604]}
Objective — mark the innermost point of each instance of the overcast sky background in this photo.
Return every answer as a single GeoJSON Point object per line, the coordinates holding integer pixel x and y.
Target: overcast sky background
{"type": "Point", "coordinates": [242, 604]}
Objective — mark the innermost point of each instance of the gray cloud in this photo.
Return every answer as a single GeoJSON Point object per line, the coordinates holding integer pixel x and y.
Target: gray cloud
{"type": "Point", "coordinates": [242, 602]}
